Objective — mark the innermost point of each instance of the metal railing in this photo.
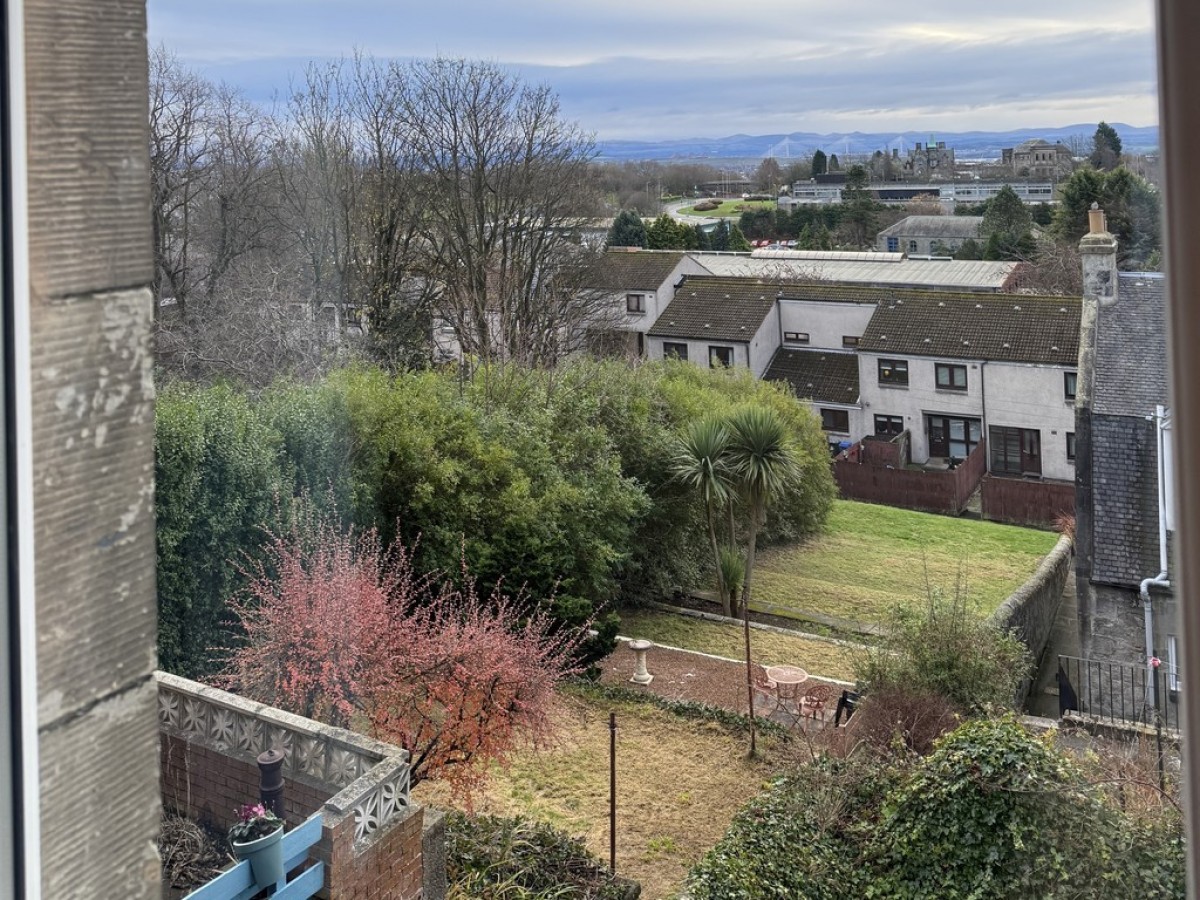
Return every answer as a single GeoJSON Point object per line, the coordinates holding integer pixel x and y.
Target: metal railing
{"type": "Point", "coordinates": [1118, 692]}
{"type": "Point", "coordinates": [238, 883]}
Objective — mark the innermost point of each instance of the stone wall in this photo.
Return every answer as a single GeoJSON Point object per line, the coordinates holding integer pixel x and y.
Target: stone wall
{"type": "Point", "coordinates": [1030, 610]}
{"type": "Point", "coordinates": [91, 448]}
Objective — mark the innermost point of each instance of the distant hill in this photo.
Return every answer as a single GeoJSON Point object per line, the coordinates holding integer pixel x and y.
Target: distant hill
{"type": "Point", "coordinates": [802, 144]}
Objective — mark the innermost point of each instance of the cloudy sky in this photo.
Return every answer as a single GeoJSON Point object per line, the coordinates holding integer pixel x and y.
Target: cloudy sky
{"type": "Point", "coordinates": [662, 69]}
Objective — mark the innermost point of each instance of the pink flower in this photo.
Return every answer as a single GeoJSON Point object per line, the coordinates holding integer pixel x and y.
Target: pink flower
{"type": "Point", "coordinates": [1155, 661]}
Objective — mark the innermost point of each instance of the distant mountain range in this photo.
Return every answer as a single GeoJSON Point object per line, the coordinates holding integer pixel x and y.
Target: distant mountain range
{"type": "Point", "coordinates": [802, 144]}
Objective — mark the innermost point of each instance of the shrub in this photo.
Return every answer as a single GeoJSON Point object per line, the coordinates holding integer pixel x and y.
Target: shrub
{"type": "Point", "coordinates": [894, 715]}
{"type": "Point", "coordinates": [492, 858]}
{"type": "Point", "coordinates": [947, 648]}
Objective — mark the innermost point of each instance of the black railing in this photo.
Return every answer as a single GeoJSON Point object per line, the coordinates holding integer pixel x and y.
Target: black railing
{"type": "Point", "coordinates": [1117, 692]}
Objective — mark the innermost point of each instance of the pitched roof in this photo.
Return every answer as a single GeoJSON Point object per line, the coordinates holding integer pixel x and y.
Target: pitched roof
{"type": "Point", "coordinates": [879, 269]}
{"type": "Point", "coordinates": [637, 270]}
{"type": "Point", "coordinates": [1002, 327]}
{"type": "Point", "coordinates": [1131, 348]}
{"type": "Point", "coordinates": [936, 227]}
{"type": "Point", "coordinates": [725, 309]}
{"type": "Point", "coordinates": [823, 376]}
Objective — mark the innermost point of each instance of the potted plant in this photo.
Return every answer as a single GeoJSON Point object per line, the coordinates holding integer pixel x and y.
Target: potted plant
{"type": "Point", "coordinates": [257, 836]}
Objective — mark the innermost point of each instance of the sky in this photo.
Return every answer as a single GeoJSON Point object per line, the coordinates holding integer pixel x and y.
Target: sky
{"type": "Point", "coordinates": [674, 69]}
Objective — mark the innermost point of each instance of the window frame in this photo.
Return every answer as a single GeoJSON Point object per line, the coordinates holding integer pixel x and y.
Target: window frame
{"type": "Point", "coordinates": [889, 420]}
{"type": "Point", "coordinates": [715, 351]}
{"type": "Point", "coordinates": [1071, 447]}
{"type": "Point", "coordinates": [850, 340]}
{"type": "Point", "coordinates": [999, 437]}
{"type": "Point", "coordinates": [951, 369]}
{"type": "Point", "coordinates": [796, 337]}
{"type": "Point", "coordinates": [1070, 385]}
{"type": "Point", "coordinates": [671, 350]}
{"type": "Point", "coordinates": [842, 415]}
{"type": "Point", "coordinates": [635, 304]}
{"type": "Point", "coordinates": [895, 366]}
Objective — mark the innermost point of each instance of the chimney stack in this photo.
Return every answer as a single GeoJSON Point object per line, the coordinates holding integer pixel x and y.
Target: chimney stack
{"type": "Point", "coordinates": [1098, 250]}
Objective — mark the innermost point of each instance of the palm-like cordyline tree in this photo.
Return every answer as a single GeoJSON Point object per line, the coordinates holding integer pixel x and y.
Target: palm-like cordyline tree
{"type": "Point", "coordinates": [701, 462]}
{"type": "Point", "coordinates": [759, 454]}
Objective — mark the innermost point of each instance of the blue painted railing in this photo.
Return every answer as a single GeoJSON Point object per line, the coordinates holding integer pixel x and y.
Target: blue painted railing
{"type": "Point", "coordinates": [238, 883]}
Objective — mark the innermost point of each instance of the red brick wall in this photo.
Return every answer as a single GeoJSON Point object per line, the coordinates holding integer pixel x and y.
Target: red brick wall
{"type": "Point", "coordinates": [206, 785]}
{"type": "Point", "coordinates": [388, 866]}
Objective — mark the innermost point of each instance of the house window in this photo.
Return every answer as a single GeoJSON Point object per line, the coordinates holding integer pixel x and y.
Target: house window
{"type": "Point", "coordinates": [1071, 446]}
{"type": "Point", "coordinates": [1069, 379]}
{"type": "Point", "coordinates": [849, 340]}
{"type": "Point", "coordinates": [893, 245]}
{"type": "Point", "coordinates": [1015, 451]}
{"type": "Point", "coordinates": [893, 371]}
{"type": "Point", "coordinates": [835, 420]}
{"type": "Point", "coordinates": [912, 246]}
{"type": "Point", "coordinates": [674, 351]}
{"type": "Point", "coordinates": [796, 337]}
{"type": "Point", "coordinates": [889, 426]}
{"type": "Point", "coordinates": [950, 377]}
{"type": "Point", "coordinates": [1172, 663]}
{"type": "Point", "coordinates": [720, 357]}
{"type": "Point", "coordinates": [953, 436]}
{"type": "Point", "coordinates": [635, 303]}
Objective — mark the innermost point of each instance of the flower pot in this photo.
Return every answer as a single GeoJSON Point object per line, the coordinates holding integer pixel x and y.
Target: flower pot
{"type": "Point", "coordinates": [265, 855]}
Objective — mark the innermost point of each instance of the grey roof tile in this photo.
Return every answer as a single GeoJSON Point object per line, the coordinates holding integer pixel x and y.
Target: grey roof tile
{"type": "Point", "coordinates": [1131, 348]}
{"type": "Point", "coordinates": [823, 376]}
{"type": "Point", "coordinates": [725, 309]}
{"type": "Point", "coordinates": [636, 270]}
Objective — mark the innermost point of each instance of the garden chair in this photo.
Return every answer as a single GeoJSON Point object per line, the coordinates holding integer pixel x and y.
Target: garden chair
{"type": "Point", "coordinates": [766, 694]}
{"type": "Point", "coordinates": [815, 700]}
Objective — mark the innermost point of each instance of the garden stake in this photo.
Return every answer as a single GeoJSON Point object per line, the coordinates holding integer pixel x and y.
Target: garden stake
{"type": "Point", "coordinates": [612, 792]}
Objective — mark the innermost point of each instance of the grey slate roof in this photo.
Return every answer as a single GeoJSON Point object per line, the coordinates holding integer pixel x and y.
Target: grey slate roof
{"type": "Point", "coordinates": [637, 270]}
{"type": "Point", "coordinates": [1125, 498]}
{"type": "Point", "coordinates": [1131, 348]}
{"type": "Point", "coordinates": [724, 309]}
{"type": "Point", "coordinates": [958, 227]}
{"type": "Point", "coordinates": [1004, 327]}
{"type": "Point", "coordinates": [822, 376]}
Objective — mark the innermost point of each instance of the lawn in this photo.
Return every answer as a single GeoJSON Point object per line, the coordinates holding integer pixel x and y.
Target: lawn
{"type": "Point", "coordinates": [729, 209]}
{"type": "Point", "coordinates": [818, 657]}
{"type": "Point", "coordinates": [679, 784]}
{"type": "Point", "coordinates": [872, 557]}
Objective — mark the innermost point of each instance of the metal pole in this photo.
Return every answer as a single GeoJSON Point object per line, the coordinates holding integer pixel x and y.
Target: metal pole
{"type": "Point", "coordinates": [612, 792]}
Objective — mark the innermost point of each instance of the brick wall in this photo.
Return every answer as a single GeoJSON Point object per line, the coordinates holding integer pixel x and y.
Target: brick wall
{"type": "Point", "coordinates": [386, 866]}
{"type": "Point", "coordinates": [1022, 501]}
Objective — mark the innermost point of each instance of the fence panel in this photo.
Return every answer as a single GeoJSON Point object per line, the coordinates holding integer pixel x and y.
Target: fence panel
{"type": "Point", "coordinates": [1117, 692]}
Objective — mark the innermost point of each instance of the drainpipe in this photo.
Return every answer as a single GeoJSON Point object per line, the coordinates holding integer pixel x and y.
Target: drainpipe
{"type": "Point", "coordinates": [1161, 579]}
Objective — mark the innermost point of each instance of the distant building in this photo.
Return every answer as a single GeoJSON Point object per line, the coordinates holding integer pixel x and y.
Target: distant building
{"type": "Point", "coordinates": [928, 235]}
{"type": "Point", "coordinates": [1038, 159]}
{"type": "Point", "coordinates": [932, 160]}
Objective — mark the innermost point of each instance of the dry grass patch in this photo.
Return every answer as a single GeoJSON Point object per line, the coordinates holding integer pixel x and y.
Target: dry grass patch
{"type": "Point", "coordinates": [822, 658]}
{"type": "Point", "coordinates": [679, 784]}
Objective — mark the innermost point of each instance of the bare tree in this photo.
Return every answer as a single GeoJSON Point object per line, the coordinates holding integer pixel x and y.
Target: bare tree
{"type": "Point", "coordinates": [507, 176]}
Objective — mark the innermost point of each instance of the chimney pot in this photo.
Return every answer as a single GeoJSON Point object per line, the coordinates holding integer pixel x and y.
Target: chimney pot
{"type": "Point", "coordinates": [1096, 223]}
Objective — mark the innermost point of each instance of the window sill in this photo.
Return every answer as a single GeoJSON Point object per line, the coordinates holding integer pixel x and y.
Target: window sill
{"type": "Point", "coordinates": [947, 390]}
{"type": "Point", "coordinates": [902, 387]}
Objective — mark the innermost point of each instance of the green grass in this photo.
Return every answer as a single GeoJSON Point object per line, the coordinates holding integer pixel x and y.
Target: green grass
{"type": "Point", "coordinates": [872, 557]}
{"type": "Point", "coordinates": [770, 649]}
{"type": "Point", "coordinates": [729, 209]}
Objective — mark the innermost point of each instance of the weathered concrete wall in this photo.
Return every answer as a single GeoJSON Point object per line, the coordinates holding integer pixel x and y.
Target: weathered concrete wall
{"type": "Point", "coordinates": [92, 445]}
{"type": "Point", "coordinates": [1030, 610]}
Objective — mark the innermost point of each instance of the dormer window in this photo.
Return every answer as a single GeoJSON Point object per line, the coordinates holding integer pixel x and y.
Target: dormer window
{"type": "Point", "coordinates": [635, 304]}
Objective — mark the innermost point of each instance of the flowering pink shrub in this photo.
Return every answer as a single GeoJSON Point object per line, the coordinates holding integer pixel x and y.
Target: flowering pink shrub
{"type": "Point", "coordinates": [342, 630]}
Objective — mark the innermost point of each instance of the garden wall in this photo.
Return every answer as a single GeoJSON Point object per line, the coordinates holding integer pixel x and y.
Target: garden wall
{"type": "Point", "coordinates": [876, 477]}
{"type": "Point", "coordinates": [1023, 501]}
{"type": "Point", "coordinates": [375, 843]}
{"type": "Point", "coordinates": [1030, 610]}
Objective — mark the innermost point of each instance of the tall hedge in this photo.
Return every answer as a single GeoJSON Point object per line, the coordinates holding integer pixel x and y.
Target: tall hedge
{"type": "Point", "coordinates": [555, 481]}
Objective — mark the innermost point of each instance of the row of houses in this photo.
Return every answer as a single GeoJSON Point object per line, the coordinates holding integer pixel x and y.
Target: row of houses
{"type": "Point", "coordinates": [925, 368]}
{"type": "Point", "coordinates": [946, 366]}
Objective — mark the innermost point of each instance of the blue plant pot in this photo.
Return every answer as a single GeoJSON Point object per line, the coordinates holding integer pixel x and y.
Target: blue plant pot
{"type": "Point", "coordinates": [265, 856]}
